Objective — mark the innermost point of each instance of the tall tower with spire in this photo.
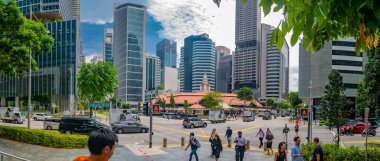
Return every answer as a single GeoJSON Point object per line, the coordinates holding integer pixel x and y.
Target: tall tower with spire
{"type": "Point", "coordinates": [204, 85]}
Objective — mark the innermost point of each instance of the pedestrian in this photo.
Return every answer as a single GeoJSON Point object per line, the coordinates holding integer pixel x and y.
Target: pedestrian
{"type": "Point", "coordinates": [297, 150]}
{"type": "Point", "coordinates": [241, 142]}
{"type": "Point", "coordinates": [285, 131]}
{"type": "Point", "coordinates": [261, 136]}
{"type": "Point", "coordinates": [218, 147]}
{"type": "Point", "coordinates": [281, 153]}
{"type": "Point", "coordinates": [101, 144]}
{"type": "Point", "coordinates": [228, 133]}
{"type": "Point", "coordinates": [296, 128]}
{"type": "Point", "coordinates": [318, 152]}
{"type": "Point", "coordinates": [269, 138]}
{"type": "Point", "coordinates": [194, 146]}
{"type": "Point", "coordinates": [212, 140]}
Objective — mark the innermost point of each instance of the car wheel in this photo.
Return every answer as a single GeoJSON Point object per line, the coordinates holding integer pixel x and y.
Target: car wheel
{"type": "Point", "coordinates": [204, 125]}
{"type": "Point", "coordinates": [35, 118]}
{"type": "Point", "coordinates": [16, 121]}
{"type": "Point", "coordinates": [120, 131]}
{"type": "Point", "coordinates": [374, 133]}
{"type": "Point", "coordinates": [143, 131]}
{"type": "Point", "coordinates": [48, 128]}
{"type": "Point", "coordinates": [191, 126]}
{"type": "Point", "coordinates": [68, 132]}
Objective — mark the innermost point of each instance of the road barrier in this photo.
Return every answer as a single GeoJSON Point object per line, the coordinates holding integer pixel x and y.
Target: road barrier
{"type": "Point", "coordinates": [165, 142]}
{"type": "Point", "coordinates": [2, 154]}
{"type": "Point", "coordinates": [182, 141]}
{"type": "Point", "coordinates": [248, 145]}
{"type": "Point", "coordinates": [229, 142]}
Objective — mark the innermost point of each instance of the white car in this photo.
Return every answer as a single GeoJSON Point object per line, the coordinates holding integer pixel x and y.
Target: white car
{"type": "Point", "coordinates": [40, 116]}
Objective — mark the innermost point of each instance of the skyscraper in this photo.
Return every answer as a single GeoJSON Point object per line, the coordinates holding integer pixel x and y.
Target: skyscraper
{"type": "Point", "coordinates": [153, 72]}
{"type": "Point", "coordinates": [107, 45]}
{"type": "Point", "coordinates": [247, 35]}
{"type": "Point", "coordinates": [128, 50]}
{"type": "Point", "coordinates": [197, 59]}
{"type": "Point", "coordinates": [224, 75]}
{"type": "Point", "coordinates": [56, 78]}
{"type": "Point", "coordinates": [274, 66]}
{"type": "Point", "coordinates": [166, 50]}
{"type": "Point", "coordinates": [220, 52]}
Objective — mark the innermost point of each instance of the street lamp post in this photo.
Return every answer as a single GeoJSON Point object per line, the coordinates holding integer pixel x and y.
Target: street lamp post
{"type": "Point", "coordinates": [310, 119]}
{"type": "Point", "coordinates": [30, 78]}
{"type": "Point", "coordinates": [151, 117]}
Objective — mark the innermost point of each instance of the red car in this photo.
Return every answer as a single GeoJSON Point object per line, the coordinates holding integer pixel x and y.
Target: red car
{"type": "Point", "coordinates": [359, 127]}
{"type": "Point", "coordinates": [352, 128]}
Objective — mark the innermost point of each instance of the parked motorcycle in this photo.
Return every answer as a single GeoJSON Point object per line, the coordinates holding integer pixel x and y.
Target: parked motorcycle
{"type": "Point", "coordinates": [370, 132]}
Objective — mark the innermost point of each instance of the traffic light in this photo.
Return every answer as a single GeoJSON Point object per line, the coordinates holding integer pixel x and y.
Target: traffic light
{"type": "Point", "coordinates": [146, 108]}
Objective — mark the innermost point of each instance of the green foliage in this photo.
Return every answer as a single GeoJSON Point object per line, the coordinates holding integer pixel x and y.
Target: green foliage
{"type": "Point", "coordinates": [373, 144]}
{"type": "Point", "coordinates": [162, 103]}
{"type": "Point", "coordinates": [284, 105]}
{"type": "Point", "coordinates": [212, 100]}
{"type": "Point", "coordinates": [128, 106]}
{"type": "Point", "coordinates": [17, 36]}
{"type": "Point", "coordinates": [43, 137]}
{"type": "Point", "coordinates": [372, 81]}
{"type": "Point", "coordinates": [252, 105]}
{"type": "Point", "coordinates": [245, 94]}
{"type": "Point", "coordinates": [95, 81]}
{"type": "Point", "coordinates": [334, 103]}
{"type": "Point", "coordinates": [362, 98]}
{"type": "Point", "coordinates": [293, 99]}
{"type": "Point", "coordinates": [270, 102]}
{"type": "Point", "coordinates": [186, 105]}
{"type": "Point", "coordinates": [333, 153]}
{"type": "Point", "coordinates": [172, 102]}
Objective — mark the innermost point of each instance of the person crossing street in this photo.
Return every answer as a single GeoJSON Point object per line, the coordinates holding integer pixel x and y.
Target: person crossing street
{"type": "Point", "coordinates": [241, 142]}
{"type": "Point", "coordinates": [261, 136]}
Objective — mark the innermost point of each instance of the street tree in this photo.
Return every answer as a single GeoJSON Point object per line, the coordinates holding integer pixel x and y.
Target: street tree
{"type": "Point", "coordinates": [270, 102]}
{"type": "Point", "coordinates": [372, 81]}
{"type": "Point", "coordinates": [335, 103]}
{"type": "Point", "coordinates": [186, 105]}
{"type": "Point", "coordinates": [252, 105]}
{"type": "Point", "coordinates": [18, 36]}
{"type": "Point", "coordinates": [245, 94]}
{"type": "Point", "coordinates": [162, 103]}
{"type": "Point", "coordinates": [96, 81]}
{"type": "Point", "coordinates": [212, 100]}
{"type": "Point", "coordinates": [293, 99]}
{"type": "Point", "coordinates": [127, 105]}
{"type": "Point", "coordinates": [172, 101]}
{"type": "Point", "coordinates": [284, 105]}
{"type": "Point", "coordinates": [361, 98]}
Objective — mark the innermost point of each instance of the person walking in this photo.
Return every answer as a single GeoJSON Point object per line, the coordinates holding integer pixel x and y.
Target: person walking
{"type": "Point", "coordinates": [194, 146]}
{"type": "Point", "coordinates": [212, 140]}
{"type": "Point", "coordinates": [285, 132]}
{"type": "Point", "coordinates": [261, 136]}
{"type": "Point", "coordinates": [281, 153]}
{"type": "Point", "coordinates": [297, 128]}
{"type": "Point", "coordinates": [228, 133]}
{"type": "Point", "coordinates": [296, 150]}
{"type": "Point", "coordinates": [318, 152]}
{"type": "Point", "coordinates": [269, 138]}
{"type": "Point", "coordinates": [218, 147]}
{"type": "Point", "coordinates": [241, 142]}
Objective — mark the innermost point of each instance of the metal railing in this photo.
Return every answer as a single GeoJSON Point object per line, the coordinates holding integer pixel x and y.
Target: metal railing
{"type": "Point", "coordinates": [2, 154]}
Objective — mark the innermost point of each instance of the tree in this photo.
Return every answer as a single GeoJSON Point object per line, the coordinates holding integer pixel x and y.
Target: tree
{"type": "Point", "coordinates": [186, 105]}
{"type": "Point", "coordinates": [270, 102]}
{"type": "Point", "coordinates": [372, 81]}
{"type": "Point", "coordinates": [212, 100]}
{"type": "Point", "coordinates": [96, 81]}
{"type": "Point", "coordinates": [245, 94]}
{"type": "Point", "coordinates": [284, 105]}
{"type": "Point", "coordinates": [335, 103]}
{"type": "Point", "coordinates": [361, 98]}
{"type": "Point", "coordinates": [127, 106]}
{"type": "Point", "coordinates": [138, 105]}
{"type": "Point", "coordinates": [293, 99]}
{"type": "Point", "coordinates": [320, 21]}
{"type": "Point", "coordinates": [17, 36]}
{"type": "Point", "coordinates": [162, 103]}
{"type": "Point", "coordinates": [172, 101]}
{"type": "Point", "coordinates": [252, 105]}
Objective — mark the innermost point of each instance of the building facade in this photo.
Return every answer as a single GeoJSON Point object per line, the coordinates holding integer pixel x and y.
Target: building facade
{"type": "Point", "coordinates": [315, 68]}
{"type": "Point", "coordinates": [197, 59]}
{"type": "Point", "coordinates": [274, 66]}
{"type": "Point", "coordinates": [247, 35]}
{"type": "Point", "coordinates": [153, 72]}
{"type": "Point", "coordinates": [171, 79]}
{"type": "Point", "coordinates": [224, 75]}
{"type": "Point", "coordinates": [97, 59]}
{"type": "Point", "coordinates": [56, 78]}
{"type": "Point", "coordinates": [128, 50]}
{"type": "Point", "coordinates": [107, 45]}
{"type": "Point", "coordinates": [221, 51]}
{"type": "Point", "coordinates": [166, 50]}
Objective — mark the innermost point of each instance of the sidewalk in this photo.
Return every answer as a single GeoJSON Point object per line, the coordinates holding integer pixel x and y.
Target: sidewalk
{"type": "Point", "coordinates": [124, 153]}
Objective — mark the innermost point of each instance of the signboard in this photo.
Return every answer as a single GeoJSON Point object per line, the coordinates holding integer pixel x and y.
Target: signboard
{"type": "Point", "coordinates": [156, 109]}
{"type": "Point", "coordinates": [304, 113]}
{"type": "Point", "coordinates": [98, 104]}
{"type": "Point", "coordinates": [366, 113]}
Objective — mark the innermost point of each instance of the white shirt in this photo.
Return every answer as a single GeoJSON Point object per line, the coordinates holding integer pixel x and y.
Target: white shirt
{"type": "Point", "coordinates": [241, 141]}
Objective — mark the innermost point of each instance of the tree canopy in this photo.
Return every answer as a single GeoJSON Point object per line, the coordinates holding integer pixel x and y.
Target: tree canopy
{"type": "Point", "coordinates": [372, 81]}
{"type": "Point", "coordinates": [270, 102]}
{"type": "Point", "coordinates": [293, 99]}
{"type": "Point", "coordinates": [245, 94]}
{"type": "Point", "coordinates": [17, 36]}
{"type": "Point", "coordinates": [172, 101]}
{"type": "Point", "coordinates": [212, 100]}
{"type": "Point", "coordinates": [284, 105]}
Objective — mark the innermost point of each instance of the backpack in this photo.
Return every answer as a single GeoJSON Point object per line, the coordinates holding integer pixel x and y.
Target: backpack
{"type": "Point", "coordinates": [197, 144]}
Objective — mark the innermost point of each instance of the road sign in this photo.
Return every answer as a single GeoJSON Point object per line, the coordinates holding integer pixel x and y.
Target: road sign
{"type": "Point", "coordinates": [304, 113]}
{"type": "Point", "coordinates": [98, 104]}
{"type": "Point", "coordinates": [366, 113]}
{"type": "Point", "coordinates": [156, 109]}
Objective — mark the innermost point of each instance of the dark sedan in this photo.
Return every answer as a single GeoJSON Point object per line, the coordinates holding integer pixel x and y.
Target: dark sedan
{"type": "Point", "coordinates": [129, 128]}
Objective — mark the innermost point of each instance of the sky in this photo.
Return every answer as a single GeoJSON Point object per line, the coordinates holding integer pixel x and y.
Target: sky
{"type": "Point", "coordinates": [175, 20]}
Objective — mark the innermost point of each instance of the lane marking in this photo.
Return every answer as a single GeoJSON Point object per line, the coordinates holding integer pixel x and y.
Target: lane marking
{"type": "Point", "coordinates": [203, 133]}
{"type": "Point", "coordinates": [358, 141]}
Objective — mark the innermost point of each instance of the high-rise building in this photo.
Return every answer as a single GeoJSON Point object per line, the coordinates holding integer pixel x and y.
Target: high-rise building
{"type": "Point", "coordinates": [314, 69]}
{"type": "Point", "coordinates": [247, 35]}
{"type": "Point", "coordinates": [274, 66]}
{"type": "Point", "coordinates": [56, 78]}
{"type": "Point", "coordinates": [197, 59]}
{"type": "Point", "coordinates": [129, 50]}
{"type": "Point", "coordinates": [96, 59]}
{"type": "Point", "coordinates": [171, 79]}
{"type": "Point", "coordinates": [221, 51]}
{"type": "Point", "coordinates": [166, 50]}
{"type": "Point", "coordinates": [224, 75]}
{"type": "Point", "coordinates": [107, 45]}
{"type": "Point", "coordinates": [153, 72]}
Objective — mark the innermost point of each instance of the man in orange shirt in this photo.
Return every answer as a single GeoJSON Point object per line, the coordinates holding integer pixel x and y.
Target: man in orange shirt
{"type": "Point", "coordinates": [102, 144]}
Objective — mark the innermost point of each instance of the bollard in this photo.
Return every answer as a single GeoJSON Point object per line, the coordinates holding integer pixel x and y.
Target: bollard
{"type": "Point", "coordinates": [165, 142]}
{"type": "Point", "coordinates": [229, 142]}
{"type": "Point", "coordinates": [248, 144]}
{"type": "Point", "coordinates": [182, 141]}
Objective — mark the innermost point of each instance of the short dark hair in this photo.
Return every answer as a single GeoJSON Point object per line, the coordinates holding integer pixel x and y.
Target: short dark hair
{"type": "Point", "coordinates": [316, 139]}
{"type": "Point", "coordinates": [240, 132]}
{"type": "Point", "coordinates": [296, 138]}
{"type": "Point", "coordinates": [192, 134]}
{"type": "Point", "coordinates": [101, 138]}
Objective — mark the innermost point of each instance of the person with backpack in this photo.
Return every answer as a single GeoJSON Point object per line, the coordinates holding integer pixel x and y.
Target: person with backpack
{"type": "Point", "coordinates": [218, 147]}
{"type": "Point", "coordinates": [193, 142]}
{"type": "Point", "coordinates": [269, 138]}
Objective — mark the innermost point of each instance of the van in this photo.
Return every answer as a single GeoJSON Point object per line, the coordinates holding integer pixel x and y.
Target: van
{"type": "Point", "coordinates": [70, 125]}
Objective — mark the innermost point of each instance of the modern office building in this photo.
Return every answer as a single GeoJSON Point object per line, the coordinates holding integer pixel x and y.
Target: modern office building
{"type": "Point", "coordinates": [56, 78]}
{"type": "Point", "coordinates": [166, 50]}
{"type": "Point", "coordinates": [153, 72]}
{"type": "Point", "coordinates": [171, 79]}
{"type": "Point", "coordinates": [274, 66]}
{"type": "Point", "coordinates": [129, 50]}
{"type": "Point", "coordinates": [221, 51]}
{"type": "Point", "coordinates": [247, 35]}
{"type": "Point", "coordinates": [97, 59]}
{"type": "Point", "coordinates": [336, 55]}
{"type": "Point", "coordinates": [224, 75]}
{"type": "Point", "coordinates": [107, 45]}
{"type": "Point", "coordinates": [197, 59]}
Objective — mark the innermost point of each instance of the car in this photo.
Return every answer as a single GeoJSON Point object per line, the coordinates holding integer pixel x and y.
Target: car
{"type": "Point", "coordinates": [359, 127]}
{"type": "Point", "coordinates": [51, 123]}
{"type": "Point", "coordinates": [267, 116]}
{"type": "Point", "coordinates": [40, 116]}
{"type": "Point", "coordinates": [177, 116]}
{"type": "Point", "coordinates": [168, 115]}
{"type": "Point", "coordinates": [70, 125]}
{"type": "Point", "coordinates": [191, 122]}
{"type": "Point", "coordinates": [129, 128]}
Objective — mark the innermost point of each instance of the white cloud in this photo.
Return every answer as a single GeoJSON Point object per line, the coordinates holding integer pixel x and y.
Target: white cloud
{"type": "Point", "coordinates": [90, 56]}
{"type": "Point", "coordinates": [97, 21]}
